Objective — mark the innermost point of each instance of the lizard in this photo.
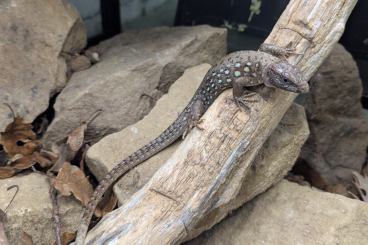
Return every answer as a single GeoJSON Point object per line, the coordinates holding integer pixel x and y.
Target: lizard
{"type": "Point", "coordinates": [238, 70]}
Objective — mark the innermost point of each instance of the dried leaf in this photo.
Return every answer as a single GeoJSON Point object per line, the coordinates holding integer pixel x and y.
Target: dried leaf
{"type": "Point", "coordinates": [67, 237]}
{"type": "Point", "coordinates": [81, 162]}
{"type": "Point", "coordinates": [18, 138]}
{"type": "Point", "coordinates": [105, 206]}
{"type": "Point", "coordinates": [15, 158]}
{"type": "Point", "coordinates": [24, 163]}
{"type": "Point", "coordinates": [76, 138]}
{"type": "Point", "coordinates": [68, 147]}
{"type": "Point", "coordinates": [72, 180]}
{"type": "Point", "coordinates": [109, 206]}
{"type": "Point", "coordinates": [25, 239]}
{"type": "Point", "coordinates": [360, 183]}
{"type": "Point", "coordinates": [66, 154]}
{"type": "Point", "coordinates": [341, 188]}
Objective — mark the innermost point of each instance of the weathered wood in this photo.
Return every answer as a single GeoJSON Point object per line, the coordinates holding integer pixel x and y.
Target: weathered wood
{"type": "Point", "coordinates": [201, 174]}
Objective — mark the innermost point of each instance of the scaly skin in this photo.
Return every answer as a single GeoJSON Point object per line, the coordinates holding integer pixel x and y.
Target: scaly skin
{"type": "Point", "coordinates": [238, 70]}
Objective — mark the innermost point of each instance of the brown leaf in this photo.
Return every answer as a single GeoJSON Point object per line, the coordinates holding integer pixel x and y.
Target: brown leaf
{"type": "Point", "coordinates": [341, 188]}
{"type": "Point", "coordinates": [25, 239]}
{"type": "Point", "coordinates": [360, 183]}
{"type": "Point", "coordinates": [66, 154]}
{"type": "Point", "coordinates": [24, 163]}
{"type": "Point", "coordinates": [72, 180]}
{"type": "Point", "coordinates": [18, 138]}
{"type": "Point", "coordinates": [109, 206]}
{"type": "Point", "coordinates": [104, 206]}
{"type": "Point", "coordinates": [81, 162]}
{"type": "Point", "coordinates": [67, 237]}
{"type": "Point", "coordinates": [68, 147]}
{"type": "Point", "coordinates": [76, 138]}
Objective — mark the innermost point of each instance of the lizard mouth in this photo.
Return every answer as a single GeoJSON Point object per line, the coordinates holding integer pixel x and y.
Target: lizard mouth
{"type": "Point", "coordinates": [304, 89]}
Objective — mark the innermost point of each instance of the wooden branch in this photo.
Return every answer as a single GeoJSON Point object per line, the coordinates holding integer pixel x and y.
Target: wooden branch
{"type": "Point", "coordinates": [201, 175]}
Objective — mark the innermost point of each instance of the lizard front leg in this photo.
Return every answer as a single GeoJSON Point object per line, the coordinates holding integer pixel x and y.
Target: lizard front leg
{"type": "Point", "coordinates": [242, 94]}
{"type": "Point", "coordinates": [196, 112]}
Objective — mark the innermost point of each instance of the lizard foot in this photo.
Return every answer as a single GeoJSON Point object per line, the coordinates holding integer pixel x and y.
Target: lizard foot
{"type": "Point", "coordinates": [286, 52]}
{"type": "Point", "coordinates": [193, 124]}
{"type": "Point", "coordinates": [278, 51]}
{"type": "Point", "coordinates": [241, 101]}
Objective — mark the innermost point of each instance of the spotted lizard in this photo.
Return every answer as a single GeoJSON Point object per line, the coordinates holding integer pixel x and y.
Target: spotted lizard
{"type": "Point", "coordinates": [238, 70]}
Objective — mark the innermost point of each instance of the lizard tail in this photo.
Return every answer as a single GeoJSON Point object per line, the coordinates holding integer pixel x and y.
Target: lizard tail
{"type": "Point", "coordinates": [172, 133]}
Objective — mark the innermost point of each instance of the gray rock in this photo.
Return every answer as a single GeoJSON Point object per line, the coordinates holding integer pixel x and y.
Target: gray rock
{"type": "Point", "coordinates": [291, 214]}
{"type": "Point", "coordinates": [135, 67]}
{"type": "Point", "coordinates": [339, 130]}
{"type": "Point", "coordinates": [109, 151]}
{"type": "Point", "coordinates": [32, 35]}
{"type": "Point", "coordinates": [80, 63]}
{"type": "Point", "coordinates": [31, 210]}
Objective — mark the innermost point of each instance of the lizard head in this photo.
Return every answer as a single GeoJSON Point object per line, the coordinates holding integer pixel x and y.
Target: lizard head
{"type": "Point", "coordinates": [284, 76]}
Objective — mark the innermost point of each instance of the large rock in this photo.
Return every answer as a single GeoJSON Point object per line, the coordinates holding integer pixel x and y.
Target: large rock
{"type": "Point", "coordinates": [339, 130]}
{"type": "Point", "coordinates": [32, 35]}
{"type": "Point", "coordinates": [112, 149]}
{"type": "Point", "coordinates": [134, 67]}
{"type": "Point", "coordinates": [291, 214]}
{"type": "Point", "coordinates": [272, 163]}
{"type": "Point", "coordinates": [31, 210]}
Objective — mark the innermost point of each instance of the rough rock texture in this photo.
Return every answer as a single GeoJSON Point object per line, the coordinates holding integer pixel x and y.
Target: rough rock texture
{"type": "Point", "coordinates": [32, 35]}
{"type": "Point", "coordinates": [135, 67]}
{"type": "Point", "coordinates": [291, 214]}
{"type": "Point", "coordinates": [272, 163]}
{"type": "Point", "coordinates": [339, 130]}
{"type": "Point", "coordinates": [31, 209]}
{"type": "Point", "coordinates": [112, 149]}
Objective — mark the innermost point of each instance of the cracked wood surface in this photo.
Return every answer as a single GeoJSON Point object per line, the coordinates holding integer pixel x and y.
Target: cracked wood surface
{"type": "Point", "coordinates": [208, 168]}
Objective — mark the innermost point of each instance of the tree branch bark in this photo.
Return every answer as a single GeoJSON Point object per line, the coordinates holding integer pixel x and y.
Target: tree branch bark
{"type": "Point", "coordinates": [202, 174]}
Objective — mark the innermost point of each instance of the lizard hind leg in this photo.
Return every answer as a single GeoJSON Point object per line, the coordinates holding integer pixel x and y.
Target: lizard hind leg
{"type": "Point", "coordinates": [197, 110]}
{"type": "Point", "coordinates": [277, 51]}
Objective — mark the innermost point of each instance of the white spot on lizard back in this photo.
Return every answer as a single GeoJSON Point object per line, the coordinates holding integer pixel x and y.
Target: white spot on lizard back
{"type": "Point", "coordinates": [134, 130]}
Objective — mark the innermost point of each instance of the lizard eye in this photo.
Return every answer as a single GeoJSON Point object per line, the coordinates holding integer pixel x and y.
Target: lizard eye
{"type": "Point", "coordinates": [285, 80]}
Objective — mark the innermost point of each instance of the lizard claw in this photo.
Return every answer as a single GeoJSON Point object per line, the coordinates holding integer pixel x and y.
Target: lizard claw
{"type": "Point", "coordinates": [241, 101]}
{"type": "Point", "coordinates": [191, 125]}
{"type": "Point", "coordinates": [286, 52]}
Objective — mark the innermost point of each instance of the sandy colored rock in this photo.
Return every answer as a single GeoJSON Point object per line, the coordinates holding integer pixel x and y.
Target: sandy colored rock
{"type": "Point", "coordinates": [112, 149]}
{"type": "Point", "coordinates": [135, 68]}
{"type": "Point", "coordinates": [339, 129]}
{"type": "Point", "coordinates": [93, 56]}
{"type": "Point", "coordinates": [292, 214]}
{"type": "Point", "coordinates": [31, 210]}
{"type": "Point", "coordinates": [80, 63]}
{"type": "Point", "coordinates": [32, 35]}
